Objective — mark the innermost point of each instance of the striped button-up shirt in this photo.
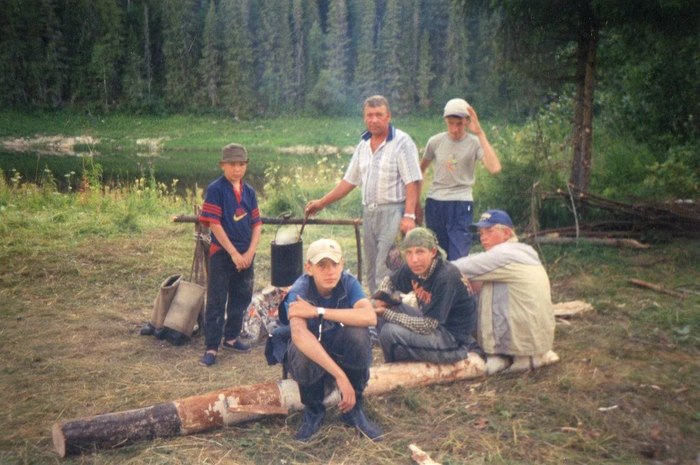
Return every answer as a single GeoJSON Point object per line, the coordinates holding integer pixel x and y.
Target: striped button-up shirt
{"type": "Point", "coordinates": [384, 174]}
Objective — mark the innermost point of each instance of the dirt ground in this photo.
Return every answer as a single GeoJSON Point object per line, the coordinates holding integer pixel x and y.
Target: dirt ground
{"type": "Point", "coordinates": [625, 391]}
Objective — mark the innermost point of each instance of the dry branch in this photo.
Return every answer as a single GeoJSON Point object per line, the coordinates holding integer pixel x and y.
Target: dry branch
{"type": "Point", "coordinates": [571, 308]}
{"type": "Point", "coordinates": [680, 218]}
{"type": "Point", "coordinates": [655, 287]}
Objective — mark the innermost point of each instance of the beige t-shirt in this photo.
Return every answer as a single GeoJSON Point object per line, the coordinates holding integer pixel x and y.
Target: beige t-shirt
{"type": "Point", "coordinates": [453, 167]}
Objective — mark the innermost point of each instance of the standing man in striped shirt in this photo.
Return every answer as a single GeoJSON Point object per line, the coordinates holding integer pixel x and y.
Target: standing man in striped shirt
{"type": "Point", "coordinates": [385, 164]}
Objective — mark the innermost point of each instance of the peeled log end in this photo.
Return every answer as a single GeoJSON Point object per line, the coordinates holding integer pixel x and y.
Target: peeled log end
{"type": "Point", "coordinates": [59, 440]}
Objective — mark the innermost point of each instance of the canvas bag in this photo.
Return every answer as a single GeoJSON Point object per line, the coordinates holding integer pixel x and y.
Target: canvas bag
{"type": "Point", "coordinates": [186, 311]}
{"type": "Point", "coordinates": [166, 294]}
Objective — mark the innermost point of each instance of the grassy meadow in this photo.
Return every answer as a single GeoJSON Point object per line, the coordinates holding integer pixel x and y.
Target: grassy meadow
{"type": "Point", "coordinates": [79, 271]}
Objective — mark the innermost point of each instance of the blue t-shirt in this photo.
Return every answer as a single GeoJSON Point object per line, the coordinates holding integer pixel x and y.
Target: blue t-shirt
{"type": "Point", "coordinates": [344, 295]}
{"type": "Point", "coordinates": [237, 213]}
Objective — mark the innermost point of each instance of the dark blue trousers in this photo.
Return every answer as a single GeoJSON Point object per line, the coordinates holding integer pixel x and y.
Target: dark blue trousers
{"type": "Point", "coordinates": [229, 293]}
{"type": "Point", "coordinates": [351, 349]}
{"type": "Point", "coordinates": [450, 221]}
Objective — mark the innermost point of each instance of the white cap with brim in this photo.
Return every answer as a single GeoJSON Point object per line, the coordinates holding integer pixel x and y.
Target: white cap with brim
{"type": "Point", "coordinates": [324, 248]}
{"type": "Point", "coordinates": [456, 107]}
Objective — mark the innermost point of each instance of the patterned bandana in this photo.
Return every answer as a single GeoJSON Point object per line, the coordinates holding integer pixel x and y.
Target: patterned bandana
{"type": "Point", "coordinates": [419, 237]}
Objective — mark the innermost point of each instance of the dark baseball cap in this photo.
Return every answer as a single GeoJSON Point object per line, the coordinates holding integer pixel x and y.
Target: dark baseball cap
{"type": "Point", "coordinates": [493, 217]}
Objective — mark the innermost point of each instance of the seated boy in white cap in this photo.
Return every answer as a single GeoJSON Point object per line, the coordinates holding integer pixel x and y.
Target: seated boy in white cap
{"type": "Point", "coordinates": [329, 316]}
{"type": "Point", "coordinates": [516, 319]}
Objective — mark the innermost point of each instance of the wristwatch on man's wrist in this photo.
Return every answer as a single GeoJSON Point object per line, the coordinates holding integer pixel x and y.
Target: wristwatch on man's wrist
{"type": "Point", "coordinates": [410, 215]}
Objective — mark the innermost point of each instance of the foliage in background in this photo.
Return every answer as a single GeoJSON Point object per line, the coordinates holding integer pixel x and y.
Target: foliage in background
{"type": "Point", "coordinates": [245, 59]}
{"type": "Point", "coordinates": [288, 188]}
{"type": "Point", "coordinates": [535, 159]}
{"type": "Point", "coordinates": [96, 208]}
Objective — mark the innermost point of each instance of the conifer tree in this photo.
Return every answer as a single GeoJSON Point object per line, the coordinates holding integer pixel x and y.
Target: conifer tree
{"type": "Point", "coordinates": [238, 87]}
{"type": "Point", "coordinates": [211, 61]}
{"type": "Point", "coordinates": [276, 56]}
{"type": "Point", "coordinates": [137, 78]}
{"type": "Point", "coordinates": [181, 49]}
{"type": "Point", "coordinates": [329, 94]}
{"type": "Point", "coordinates": [425, 74]}
{"type": "Point", "coordinates": [107, 53]}
{"type": "Point", "coordinates": [388, 63]}
{"type": "Point", "coordinates": [456, 80]}
{"type": "Point", "coordinates": [365, 76]}
{"type": "Point", "coordinates": [52, 79]}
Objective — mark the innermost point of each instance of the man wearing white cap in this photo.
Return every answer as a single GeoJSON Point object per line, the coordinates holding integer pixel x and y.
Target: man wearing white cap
{"type": "Point", "coordinates": [449, 203]}
{"type": "Point", "coordinates": [329, 316]}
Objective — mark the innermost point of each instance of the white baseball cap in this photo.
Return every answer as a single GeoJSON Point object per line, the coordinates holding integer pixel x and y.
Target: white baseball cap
{"type": "Point", "coordinates": [456, 107]}
{"type": "Point", "coordinates": [324, 248]}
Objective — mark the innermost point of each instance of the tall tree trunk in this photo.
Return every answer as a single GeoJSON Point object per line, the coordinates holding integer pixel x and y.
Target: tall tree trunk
{"type": "Point", "coordinates": [583, 113]}
{"type": "Point", "coordinates": [148, 62]}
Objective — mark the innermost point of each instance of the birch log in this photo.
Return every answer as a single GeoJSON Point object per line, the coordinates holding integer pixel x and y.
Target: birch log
{"type": "Point", "coordinates": [236, 405]}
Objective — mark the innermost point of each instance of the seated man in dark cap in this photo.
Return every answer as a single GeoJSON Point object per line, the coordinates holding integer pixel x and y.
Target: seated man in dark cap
{"type": "Point", "coordinates": [440, 329]}
{"type": "Point", "coordinates": [329, 317]}
{"type": "Point", "coordinates": [516, 319]}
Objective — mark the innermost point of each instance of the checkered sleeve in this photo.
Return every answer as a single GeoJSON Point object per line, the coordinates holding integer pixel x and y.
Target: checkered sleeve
{"type": "Point", "coordinates": [418, 324]}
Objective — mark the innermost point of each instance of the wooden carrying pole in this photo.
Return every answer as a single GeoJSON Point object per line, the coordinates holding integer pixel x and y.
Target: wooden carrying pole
{"type": "Point", "coordinates": [356, 223]}
{"type": "Point", "coordinates": [235, 405]}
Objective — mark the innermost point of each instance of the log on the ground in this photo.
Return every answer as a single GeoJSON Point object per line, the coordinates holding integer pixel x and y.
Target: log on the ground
{"type": "Point", "coordinates": [571, 308]}
{"type": "Point", "coordinates": [613, 242]}
{"type": "Point", "coordinates": [236, 405]}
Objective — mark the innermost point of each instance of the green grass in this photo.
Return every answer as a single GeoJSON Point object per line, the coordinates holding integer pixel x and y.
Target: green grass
{"type": "Point", "coordinates": [79, 272]}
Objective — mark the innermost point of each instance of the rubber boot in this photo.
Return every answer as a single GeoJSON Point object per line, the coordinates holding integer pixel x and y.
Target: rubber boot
{"type": "Point", "coordinates": [311, 422]}
{"type": "Point", "coordinates": [357, 418]}
{"type": "Point", "coordinates": [314, 411]}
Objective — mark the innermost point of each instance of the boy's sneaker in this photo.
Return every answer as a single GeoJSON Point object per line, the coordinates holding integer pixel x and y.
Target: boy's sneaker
{"type": "Point", "coordinates": [208, 359]}
{"type": "Point", "coordinates": [237, 346]}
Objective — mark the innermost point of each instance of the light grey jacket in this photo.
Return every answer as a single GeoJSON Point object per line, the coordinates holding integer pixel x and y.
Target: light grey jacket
{"type": "Point", "coordinates": [515, 304]}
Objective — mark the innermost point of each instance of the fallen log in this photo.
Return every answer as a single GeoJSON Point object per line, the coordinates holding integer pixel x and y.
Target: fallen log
{"type": "Point", "coordinates": [236, 405]}
{"type": "Point", "coordinates": [613, 242]}
{"type": "Point", "coordinates": [570, 308]}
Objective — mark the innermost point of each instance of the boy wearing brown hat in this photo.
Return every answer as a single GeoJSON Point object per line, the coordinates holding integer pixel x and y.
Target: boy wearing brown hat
{"type": "Point", "coordinates": [230, 210]}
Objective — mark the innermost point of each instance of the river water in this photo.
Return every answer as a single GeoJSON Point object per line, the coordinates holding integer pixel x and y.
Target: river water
{"type": "Point", "coordinates": [190, 168]}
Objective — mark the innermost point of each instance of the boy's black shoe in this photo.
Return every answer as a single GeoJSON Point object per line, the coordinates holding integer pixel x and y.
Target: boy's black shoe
{"type": "Point", "coordinates": [147, 330]}
{"type": "Point", "coordinates": [357, 418]}
{"type": "Point", "coordinates": [237, 346]}
{"type": "Point", "coordinates": [310, 424]}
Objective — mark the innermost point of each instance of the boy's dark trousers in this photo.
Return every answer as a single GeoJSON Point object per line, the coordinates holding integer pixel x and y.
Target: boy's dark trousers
{"type": "Point", "coordinates": [229, 293]}
{"type": "Point", "coordinates": [351, 349]}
